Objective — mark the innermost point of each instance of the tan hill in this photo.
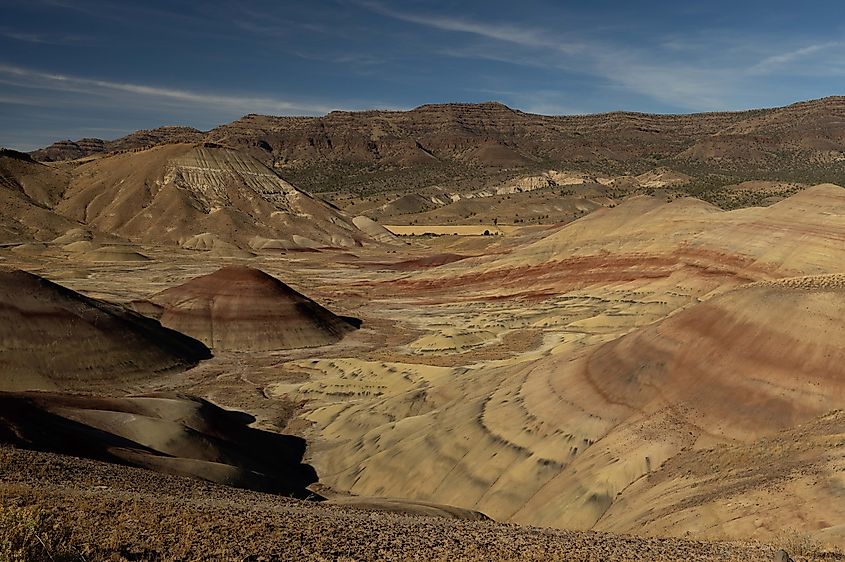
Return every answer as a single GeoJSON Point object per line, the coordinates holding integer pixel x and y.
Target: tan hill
{"type": "Point", "coordinates": [374, 230]}
{"type": "Point", "coordinates": [171, 434]}
{"type": "Point", "coordinates": [244, 309]}
{"type": "Point", "coordinates": [41, 184]}
{"type": "Point", "coordinates": [172, 193]}
{"type": "Point", "coordinates": [52, 337]}
{"type": "Point", "coordinates": [687, 380]}
{"type": "Point", "coordinates": [28, 191]}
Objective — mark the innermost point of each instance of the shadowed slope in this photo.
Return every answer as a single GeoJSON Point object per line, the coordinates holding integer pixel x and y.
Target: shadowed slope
{"type": "Point", "coordinates": [240, 308]}
{"type": "Point", "coordinates": [53, 337]}
{"type": "Point", "coordinates": [171, 434]}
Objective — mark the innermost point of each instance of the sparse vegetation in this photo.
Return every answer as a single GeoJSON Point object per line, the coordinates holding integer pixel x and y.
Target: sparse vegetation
{"type": "Point", "coordinates": [797, 543]}
{"type": "Point", "coordinates": [27, 535]}
{"type": "Point", "coordinates": [141, 515]}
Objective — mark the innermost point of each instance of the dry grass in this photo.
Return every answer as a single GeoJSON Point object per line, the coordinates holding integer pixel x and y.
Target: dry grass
{"type": "Point", "coordinates": [28, 535]}
{"type": "Point", "coordinates": [797, 543]}
{"type": "Point", "coordinates": [114, 513]}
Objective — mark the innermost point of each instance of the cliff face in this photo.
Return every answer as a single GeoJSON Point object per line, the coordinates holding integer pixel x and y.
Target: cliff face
{"type": "Point", "coordinates": [154, 137]}
{"type": "Point", "coordinates": [492, 136]}
{"type": "Point", "coordinates": [488, 134]}
{"type": "Point", "coordinates": [71, 150]}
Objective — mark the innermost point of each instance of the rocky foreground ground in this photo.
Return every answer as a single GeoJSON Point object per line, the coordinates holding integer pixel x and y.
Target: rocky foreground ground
{"type": "Point", "coordinates": [62, 508]}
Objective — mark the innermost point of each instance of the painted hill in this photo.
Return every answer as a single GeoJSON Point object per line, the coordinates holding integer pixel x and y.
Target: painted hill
{"type": "Point", "coordinates": [690, 378]}
{"type": "Point", "coordinates": [54, 338]}
{"type": "Point", "coordinates": [244, 309]}
{"type": "Point", "coordinates": [199, 196]}
{"type": "Point", "coordinates": [172, 193]}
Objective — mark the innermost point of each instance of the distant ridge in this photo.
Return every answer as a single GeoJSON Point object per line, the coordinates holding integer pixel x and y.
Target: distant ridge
{"type": "Point", "coordinates": [71, 150]}
{"type": "Point", "coordinates": [491, 135]}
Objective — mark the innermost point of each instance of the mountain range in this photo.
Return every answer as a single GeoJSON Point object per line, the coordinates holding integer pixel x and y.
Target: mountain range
{"type": "Point", "coordinates": [454, 144]}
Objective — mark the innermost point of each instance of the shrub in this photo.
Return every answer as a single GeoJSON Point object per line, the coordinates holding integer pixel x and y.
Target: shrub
{"type": "Point", "coordinates": [802, 544]}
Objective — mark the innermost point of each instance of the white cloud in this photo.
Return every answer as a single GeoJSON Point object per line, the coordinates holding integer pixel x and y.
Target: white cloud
{"type": "Point", "coordinates": [524, 36]}
{"type": "Point", "coordinates": [716, 70]}
{"type": "Point", "coordinates": [25, 37]}
{"type": "Point", "coordinates": [29, 78]}
{"type": "Point", "coordinates": [771, 63]}
{"type": "Point", "coordinates": [632, 69]}
{"type": "Point", "coordinates": [686, 86]}
{"type": "Point", "coordinates": [42, 38]}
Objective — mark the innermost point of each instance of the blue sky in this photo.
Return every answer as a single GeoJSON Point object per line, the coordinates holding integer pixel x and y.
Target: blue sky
{"type": "Point", "coordinates": [76, 68]}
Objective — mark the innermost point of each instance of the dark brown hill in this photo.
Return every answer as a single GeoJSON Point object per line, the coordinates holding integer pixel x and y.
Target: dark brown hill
{"type": "Point", "coordinates": [453, 143]}
{"type": "Point", "coordinates": [155, 137]}
{"type": "Point", "coordinates": [244, 309]}
{"type": "Point", "coordinates": [54, 338]}
{"type": "Point", "coordinates": [486, 134]}
{"type": "Point", "coordinates": [71, 150]}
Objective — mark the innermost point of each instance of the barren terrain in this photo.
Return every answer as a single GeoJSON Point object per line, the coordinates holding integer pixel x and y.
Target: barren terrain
{"type": "Point", "coordinates": [614, 371]}
{"type": "Point", "coordinates": [157, 517]}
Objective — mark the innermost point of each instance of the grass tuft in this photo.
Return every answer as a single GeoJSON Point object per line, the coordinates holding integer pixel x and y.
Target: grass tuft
{"type": "Point", "coordinates": [26, 535]}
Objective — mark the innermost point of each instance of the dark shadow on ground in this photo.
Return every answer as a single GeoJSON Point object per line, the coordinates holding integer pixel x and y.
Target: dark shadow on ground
{"type": "Point", "coordinates": [164, 432]}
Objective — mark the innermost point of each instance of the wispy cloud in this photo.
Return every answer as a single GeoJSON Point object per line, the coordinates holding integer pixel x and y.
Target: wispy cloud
{"type": "Point", "coordinates": [715, 70]}
{"type": "Point", "coordinates": [632, 69]}
{"type": "Point", "coordinates": [518, 35]}
{"type": "Point", "coordinates": [682, 86]}
{"type": "Point", "coordinates": [480, 53]}
{"type": "Point", "coordinates": [771, 63]}
{"type": "Point", "coordinates": [25, 37]}
{"type": "Point", "coordinates": [352, 59]}
{"type": "Point", "coordinates": [43, 38]}
{"type": "Point", "coordinates": [30, 78]}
